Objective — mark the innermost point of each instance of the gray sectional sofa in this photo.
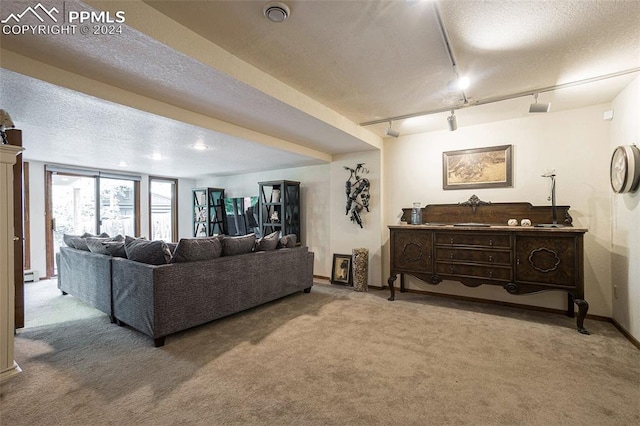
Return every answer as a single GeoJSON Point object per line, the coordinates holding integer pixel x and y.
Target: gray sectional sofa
{"type": "Point", "coordinates": [159, 300]}
{"type": "Point", "coordinates": [86, 276]}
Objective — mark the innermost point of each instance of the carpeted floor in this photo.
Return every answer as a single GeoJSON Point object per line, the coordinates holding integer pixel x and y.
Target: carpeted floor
{"type": "Point", "coordinates": [331, 357]}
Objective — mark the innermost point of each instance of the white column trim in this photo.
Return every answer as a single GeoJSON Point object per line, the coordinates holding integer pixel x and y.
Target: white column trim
{"type": "Point", "coordinates": [8, 366]}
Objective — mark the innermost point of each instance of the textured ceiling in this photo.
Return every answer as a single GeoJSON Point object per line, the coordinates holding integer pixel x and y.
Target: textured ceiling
{"type": "Point", "coordinates": [374, 59]}
{"type": "Point", "coordinates": [91, 132]}
{"type": "Point", "coordinates": [265, 95]}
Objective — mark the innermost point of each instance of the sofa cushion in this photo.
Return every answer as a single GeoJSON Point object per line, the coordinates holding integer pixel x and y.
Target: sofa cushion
{"type": "Point", "coordinates": [80, 243]}
{"type": "Point", "coordinates": [288, 241]}
{"type": "Point", "coordinates": [128, 239]}
{"type": "Point", "coordinates": [68, 239]}
{"type": "Point", "coordinates": [238, 245]}
{"type": "Point", "coordinates": [268, 242]}
{"type": "Point", "coordinates": [96, 244]}
{"type": "Point", "coordinates": [115, 248]}
{"type": "Point", "coordinates": [146, 251]}
{"type": "Point", "coordinates": [194, 249]}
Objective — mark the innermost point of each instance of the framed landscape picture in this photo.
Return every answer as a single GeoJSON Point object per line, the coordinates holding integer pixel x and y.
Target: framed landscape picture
{"type": "Point", "coordinates": [489, 167]}
{"type": "Point", "coordinates": [341, 270]}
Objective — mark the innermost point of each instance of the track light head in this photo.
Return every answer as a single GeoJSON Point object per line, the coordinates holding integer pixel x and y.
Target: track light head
{"type": "Point", "coordinates": [536, 107]}
{"type": "Point", "coordinates": [391, 132]}
{"type": "Point", "coordinates": [452, 121]}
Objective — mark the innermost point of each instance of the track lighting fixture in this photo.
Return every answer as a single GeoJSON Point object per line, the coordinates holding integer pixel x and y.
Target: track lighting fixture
{"type": "Point", "coordinates": [539, 107]}
{"type": "Point", "coordinates": [391, 132]}
{"type": "Point", "coordinates": [545, 107]}
{"type": "Point", "coordinates": [452, 121]}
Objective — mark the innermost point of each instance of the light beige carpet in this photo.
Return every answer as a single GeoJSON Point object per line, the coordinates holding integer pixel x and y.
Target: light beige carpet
{"type": "Point", "coordinates": [331, 357]}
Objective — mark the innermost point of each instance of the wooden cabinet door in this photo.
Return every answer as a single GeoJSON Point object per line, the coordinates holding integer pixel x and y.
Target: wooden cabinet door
{"type": "Point", "coordinates": [547, 259]}
{"type": "Point", "coordinates": [412, 251]}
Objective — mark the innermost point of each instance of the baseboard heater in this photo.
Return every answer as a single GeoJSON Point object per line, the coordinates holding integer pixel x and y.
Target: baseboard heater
{"type": "Point", "coordinates": [31, 276]}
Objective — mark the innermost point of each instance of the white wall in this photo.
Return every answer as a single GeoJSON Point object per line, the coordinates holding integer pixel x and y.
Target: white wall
{"type": "Point", "coordinates": [325, 228]}
{"type": "Point", "coordinates": [625, 229]}
{"type": "Point", "coordinates": [575, 143]}
{"type": "Point", "coordinates": [37, 210]}
{"type": "Point", "coordinates": [346, 235]}
{"type": "Point", "coordinates": [314, 189]}
{"type": "Point", "coordinates": [36, 217]}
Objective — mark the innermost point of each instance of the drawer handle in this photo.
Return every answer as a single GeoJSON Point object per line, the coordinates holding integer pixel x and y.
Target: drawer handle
{"type": "Point", "coordinates": [451, 256]}
{"type": "Point", "coordinates": [452, 240]}
{"type": "Point", "coordinates": [490, 258]}
{"type": "Point", "coordinates": [490, 274]}
{"type": "Point", "coordinates": [518, 260]}
{"type": "Point", "coordinates": [429, 255]}
{"type": "Point", "coordinates": [452, 269]}
{"type": "Point", "coordinates": [490, 242]}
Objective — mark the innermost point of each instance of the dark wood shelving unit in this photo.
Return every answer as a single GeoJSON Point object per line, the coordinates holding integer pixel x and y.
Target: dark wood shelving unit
{"type": "Point", "coordinates": [208, 212]}
{"type": "Point", "coordinates": [280, 207]}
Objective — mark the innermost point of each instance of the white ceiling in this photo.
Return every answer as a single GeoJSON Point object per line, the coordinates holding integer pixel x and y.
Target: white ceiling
{"type": "Point", "coordinates": [268, 96]}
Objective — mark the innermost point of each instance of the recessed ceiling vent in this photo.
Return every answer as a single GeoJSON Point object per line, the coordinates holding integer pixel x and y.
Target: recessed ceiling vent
{"type": "Point", "coordinates": [276, 11]}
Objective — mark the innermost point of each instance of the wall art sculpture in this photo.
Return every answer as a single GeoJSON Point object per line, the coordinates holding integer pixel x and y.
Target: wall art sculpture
{"type": "Point", "coordinates": [357, 191]}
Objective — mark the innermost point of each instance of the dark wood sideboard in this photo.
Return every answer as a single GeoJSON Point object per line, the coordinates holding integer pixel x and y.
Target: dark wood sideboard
{"type": "Point", "coordinates": [471, 243]}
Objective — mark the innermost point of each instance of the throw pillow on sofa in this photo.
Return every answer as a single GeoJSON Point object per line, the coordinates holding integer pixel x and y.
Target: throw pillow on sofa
{"type": "Point", "coordinates": [288, 241]}
{"type": "Point", "coordinates": [238, 245]}
{"type": "Point", "coordinates": [96, 244]}
{"type": "Point", "coordinates": [268, 242]}
{"type": "Point", "coordinates": [146, 251]}
{"type": "Point", "coordinates": [80, 244]}
{"type": "Point", "coordinates": [115, 249]}
{"type": "Point", "coordinates": [68, 239]}
{"type": "Point", "coordinates": [194, 249]}
{"type": "Point", "coordinates": [80, 240]}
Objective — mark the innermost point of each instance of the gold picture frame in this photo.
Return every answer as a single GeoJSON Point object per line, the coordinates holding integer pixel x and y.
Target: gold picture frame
{"type": "Point", "coordinates": [488, 167]}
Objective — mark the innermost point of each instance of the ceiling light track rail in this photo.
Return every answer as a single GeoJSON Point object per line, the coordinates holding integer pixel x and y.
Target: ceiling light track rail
{"type": "Point", "coordinates": [503, 98]}
{"type": "Point", "coordinates": [447, 45]}
{"type": "Point", "coordinates": [445, 36]}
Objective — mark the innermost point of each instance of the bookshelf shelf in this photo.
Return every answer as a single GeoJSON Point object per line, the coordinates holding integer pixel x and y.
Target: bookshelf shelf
{"type": "Point", "coordinates": [280, 207]}
{"type": "Point", "coordinates": [208, 212]}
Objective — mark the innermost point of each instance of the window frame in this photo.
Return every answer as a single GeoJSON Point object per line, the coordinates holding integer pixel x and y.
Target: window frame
{"type": "Point", "coordinates": [174, 205]}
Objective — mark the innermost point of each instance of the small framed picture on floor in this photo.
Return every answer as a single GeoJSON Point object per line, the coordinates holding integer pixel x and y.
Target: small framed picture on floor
{"type": "Point", "coordinates": [341, 271]}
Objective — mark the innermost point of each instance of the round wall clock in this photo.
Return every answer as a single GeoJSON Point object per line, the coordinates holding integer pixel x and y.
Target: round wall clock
{"type": "Point", "coordinates": [625, 169]}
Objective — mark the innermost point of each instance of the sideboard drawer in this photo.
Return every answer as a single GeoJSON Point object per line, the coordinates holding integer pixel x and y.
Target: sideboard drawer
{"type": "Point", "coordinates": [474, 271]}
{"type": "Point", "coordinates": [474, 239]}
{"type": "Point", "coordinates": [474, 255]}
